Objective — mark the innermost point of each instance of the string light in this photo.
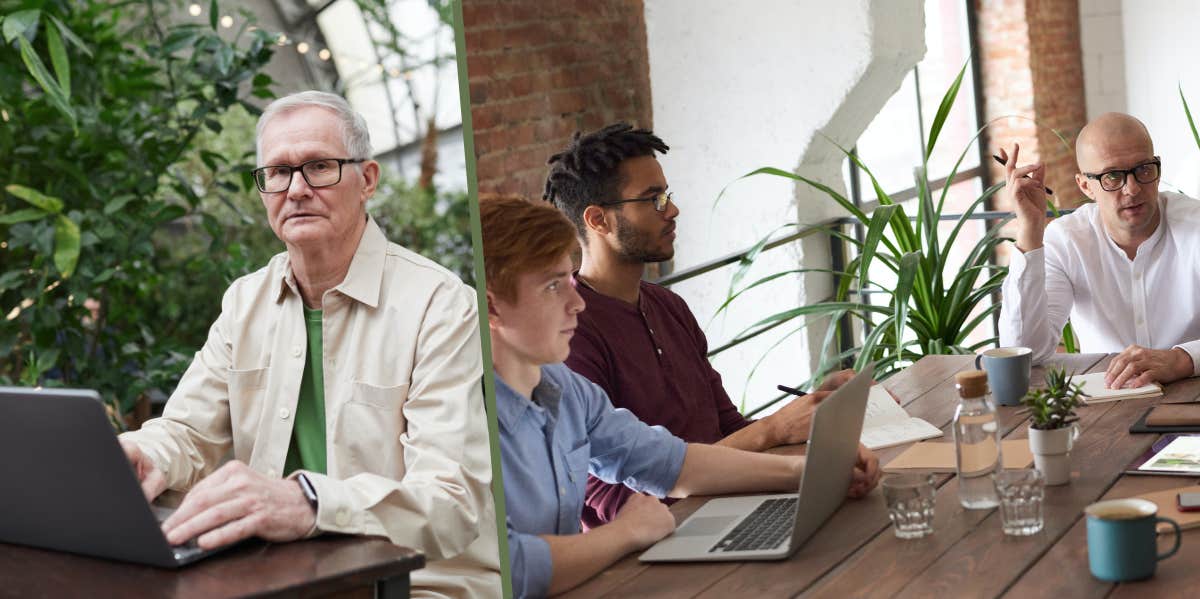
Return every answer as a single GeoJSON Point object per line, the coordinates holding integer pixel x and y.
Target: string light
{"type": "Point", "coordinates": [394, 72]}
{"type": "Point", "coordinates": [379, 69]}
{"type": "Point", "coordinates": [324, 54]}
{"type": "Point", "coordinates": [302, 47]}
{"type": "Point", "coordinates": [194, 10]}
{"type": "Point", "coordinates": [283, 40]}
{"type": "Point", "coordinates": [227, 21]}
{"type": "Point", "coordinates": [4, 115]}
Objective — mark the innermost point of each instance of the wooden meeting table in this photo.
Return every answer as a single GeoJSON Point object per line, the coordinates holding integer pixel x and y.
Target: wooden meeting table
{"type": "Point", "coordinates": [341, 566]}
{"type": "Point", "coordinates": [856, 553]}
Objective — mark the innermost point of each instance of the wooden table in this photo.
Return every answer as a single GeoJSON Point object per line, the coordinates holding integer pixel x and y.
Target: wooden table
{"type": "Point", "coordinates": [856, 554]}
{"type": "Point", "coordinates": [343, 565]}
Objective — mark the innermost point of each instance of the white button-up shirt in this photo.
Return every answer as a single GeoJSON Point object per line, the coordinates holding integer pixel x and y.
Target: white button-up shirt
{"type": "Point", "coordinates": [406, 434]}
{"type": "Point", "coordinates": [1112, 301]}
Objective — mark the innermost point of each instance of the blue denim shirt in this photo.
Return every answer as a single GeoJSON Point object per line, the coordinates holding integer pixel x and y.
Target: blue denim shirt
{"type": "Point", "coordinates": [547, 448]}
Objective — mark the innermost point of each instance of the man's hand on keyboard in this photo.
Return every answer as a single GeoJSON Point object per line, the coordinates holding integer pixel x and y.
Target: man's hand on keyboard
{"type": "Point", "coordinates": [235, 503]}
{"type": "Point", "coordinates": [152, 480]}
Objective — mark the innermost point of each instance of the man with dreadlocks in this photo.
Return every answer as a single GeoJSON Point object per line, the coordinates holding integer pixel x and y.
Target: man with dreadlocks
{"type": "Point", "coordinates": [636, 340]}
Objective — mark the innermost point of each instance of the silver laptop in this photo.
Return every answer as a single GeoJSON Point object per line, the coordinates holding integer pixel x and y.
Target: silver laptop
{"type": "Point", "coordinates": [67, 484]}
{"type": "Point", "coordinates": [766, 527]}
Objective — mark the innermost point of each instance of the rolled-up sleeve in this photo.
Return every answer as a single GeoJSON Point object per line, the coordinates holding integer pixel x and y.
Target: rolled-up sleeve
{"type": "Point", "coordinates": [627, 450]}
{"type": "Point", "coordinates": [439, 503]}
{"type": "Point", "coordinates": [531, 563]}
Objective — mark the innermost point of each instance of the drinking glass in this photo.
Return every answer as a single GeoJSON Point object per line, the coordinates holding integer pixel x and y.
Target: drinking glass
{"type": "Point", "coordinates": [910, 503]}
{"type": "Point", "coordinates": [1021, 493]}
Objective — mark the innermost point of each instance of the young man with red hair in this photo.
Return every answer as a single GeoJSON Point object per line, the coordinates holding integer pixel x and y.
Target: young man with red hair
{"type": "Point", "coordinates": [556, 427]}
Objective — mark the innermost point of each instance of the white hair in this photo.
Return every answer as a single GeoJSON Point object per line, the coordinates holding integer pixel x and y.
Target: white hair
{"type": "Point", "coordinates": [355, 136]}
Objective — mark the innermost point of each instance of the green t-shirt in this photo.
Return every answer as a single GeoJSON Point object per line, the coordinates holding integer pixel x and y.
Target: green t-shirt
{"type": "Point", "coordinates": [307, 450]}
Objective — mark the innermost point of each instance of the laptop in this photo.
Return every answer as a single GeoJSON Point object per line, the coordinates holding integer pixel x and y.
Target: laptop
{"type": "Point", "coordinates": [68, 486]}
{"type": "Point", "coordinates": [772, 527]}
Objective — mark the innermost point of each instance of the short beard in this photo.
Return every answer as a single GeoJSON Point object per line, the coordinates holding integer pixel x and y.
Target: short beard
{"type": "Point", "coordinates": [638, 246]}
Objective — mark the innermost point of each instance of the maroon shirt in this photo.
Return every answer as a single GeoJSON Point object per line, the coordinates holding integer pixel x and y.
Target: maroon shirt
{"type": "Point", "coordinates": [650, 359]}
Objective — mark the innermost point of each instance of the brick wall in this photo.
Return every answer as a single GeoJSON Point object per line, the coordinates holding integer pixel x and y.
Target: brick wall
{"type": "Point", "coordinates": [538, 71]}
{"type": "Point", "coordinates": [1032, 66]}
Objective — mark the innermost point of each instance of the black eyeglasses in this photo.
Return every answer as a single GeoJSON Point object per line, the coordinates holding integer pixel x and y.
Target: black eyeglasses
{"type": "Point", "coordinates": [321, 172]}
{"type": "Point", "coordinates": [1146, 172]}
{"type": "Point", "coordinates": [660, 201]}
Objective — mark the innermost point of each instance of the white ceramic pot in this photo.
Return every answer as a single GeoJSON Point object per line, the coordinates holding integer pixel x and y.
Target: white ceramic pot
{"type": "Point", "coordinates": [1052, 452]}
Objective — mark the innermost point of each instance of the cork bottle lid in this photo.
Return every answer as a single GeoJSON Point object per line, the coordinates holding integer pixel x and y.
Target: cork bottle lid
{"type": "Point", "coordinates": [972, 383]}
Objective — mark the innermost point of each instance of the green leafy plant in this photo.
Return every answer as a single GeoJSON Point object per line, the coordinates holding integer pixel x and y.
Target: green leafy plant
{"type": "Point", "coordinates": [1053, 406]}
{"type": "Point", "coordinates": [112, 261]}
{"type": "Point", "coordinates": [934, 304]}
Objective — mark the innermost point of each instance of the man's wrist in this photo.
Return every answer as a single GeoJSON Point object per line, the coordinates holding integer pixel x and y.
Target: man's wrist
{"type": "Point", "coordinates": [1184, 366]}
{"type": "Point", "coordinates": [310, 496]}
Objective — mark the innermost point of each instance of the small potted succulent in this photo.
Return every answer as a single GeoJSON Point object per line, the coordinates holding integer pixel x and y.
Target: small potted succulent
{"type": "Point", "coordinates": [1052, 431]}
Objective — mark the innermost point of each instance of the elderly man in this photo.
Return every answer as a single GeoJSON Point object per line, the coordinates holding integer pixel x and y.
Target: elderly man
{"type": "Point", "coordinates": [343, 378]}
{"type": "Point", "coordinates": [1124, 269]}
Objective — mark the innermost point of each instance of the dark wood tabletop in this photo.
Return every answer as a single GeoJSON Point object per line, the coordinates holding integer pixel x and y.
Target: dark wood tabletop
{"type": "Point", "coordinates": [856, 554]}
{"type": "Point", "coordinates": [317, 567]}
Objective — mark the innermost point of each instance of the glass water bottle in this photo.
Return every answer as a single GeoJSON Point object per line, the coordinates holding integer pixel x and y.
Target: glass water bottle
{"type": "Point", "coordinates": [976, 441]}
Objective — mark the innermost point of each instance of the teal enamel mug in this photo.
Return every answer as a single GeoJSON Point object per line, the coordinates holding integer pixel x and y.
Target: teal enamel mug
{"type": "Point", "coordinates": [1122, 539]}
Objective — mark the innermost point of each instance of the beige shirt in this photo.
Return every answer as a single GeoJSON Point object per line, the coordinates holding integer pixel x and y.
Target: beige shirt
{"type": "Point", "coordinates": [406, 436]}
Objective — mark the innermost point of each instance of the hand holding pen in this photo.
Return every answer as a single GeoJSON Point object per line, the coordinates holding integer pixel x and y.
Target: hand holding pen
{"type": "Point", "coordinates": [1024, 188]}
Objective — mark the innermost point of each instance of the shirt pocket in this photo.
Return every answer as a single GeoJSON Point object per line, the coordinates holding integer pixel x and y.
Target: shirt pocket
{"type": "Point", "coordinates": [369, 428]}
{"type": "Point", "coordinates": [247, 396]}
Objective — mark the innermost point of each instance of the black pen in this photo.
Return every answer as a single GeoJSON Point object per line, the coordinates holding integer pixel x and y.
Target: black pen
{"type": "Point", "coordinates": [796, 392]}
{"type": "Point", "coordinates": [1049, 191]}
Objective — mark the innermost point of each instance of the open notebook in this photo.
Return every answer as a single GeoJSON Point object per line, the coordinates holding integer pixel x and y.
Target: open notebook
{"type": "Point", "coordinates": [1093, 385]}
{"type": "Point", "coordinates": [887, 424]}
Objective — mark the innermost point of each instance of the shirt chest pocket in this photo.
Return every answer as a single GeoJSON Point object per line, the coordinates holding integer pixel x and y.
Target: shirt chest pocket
{"type": "Point", "coordinates": [572, 484]}
{"type": "Point", "coordinates": [367, 431]}
{"type": "Point", "coordinates": [247, 394]}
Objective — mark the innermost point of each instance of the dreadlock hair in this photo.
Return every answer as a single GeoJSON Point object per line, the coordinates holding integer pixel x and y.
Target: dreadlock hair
{"type": "Point", "coordinates": [585, 173]}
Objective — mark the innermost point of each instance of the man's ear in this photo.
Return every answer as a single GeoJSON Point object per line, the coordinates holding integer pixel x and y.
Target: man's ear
{"type": "Point", "coordinates": [595, 219]}
{"type": "Point", "coordinates": [492, 310]}
{"type": "Point", "coordinates": [1085, 186]}
{"type": "Point", "coordinates": [370, 175]}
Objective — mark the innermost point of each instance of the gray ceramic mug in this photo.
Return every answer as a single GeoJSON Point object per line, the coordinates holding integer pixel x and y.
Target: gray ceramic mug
{"type": "Point", "coordinates": [1007, 372]}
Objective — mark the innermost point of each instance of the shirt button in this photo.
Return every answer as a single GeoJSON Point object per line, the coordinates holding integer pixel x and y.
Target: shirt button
{"type": "Point", "coordinates": [295, 351]}
{"type": "Point", "coordinates": [660, 351]}
{"type": "Point", "coordinates": [284, 413]}
{"type": "Point", "coordinates": [1141, 321]}
{"type": "Point", "coordinates": [651, 331]}
{"type": "Point", "coordinates": [342, 518]}
{"type": "Point", "coordinates": [562, 491]}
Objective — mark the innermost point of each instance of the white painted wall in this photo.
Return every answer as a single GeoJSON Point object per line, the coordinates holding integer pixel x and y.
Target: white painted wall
{"type": "Point", "coordinates": [1102, 43]}
{"type": "Point", "coordinates": [1162, 41]}
{"type": "Point", "coordinates": [736, 86]}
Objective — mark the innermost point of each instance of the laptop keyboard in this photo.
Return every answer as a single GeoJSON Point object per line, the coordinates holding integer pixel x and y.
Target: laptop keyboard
{"type": "Point", "coordinates": [769, 525]}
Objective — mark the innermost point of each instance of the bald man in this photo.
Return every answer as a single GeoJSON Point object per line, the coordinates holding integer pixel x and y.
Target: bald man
{"type": "Point", "coordinates": [1124, 268]}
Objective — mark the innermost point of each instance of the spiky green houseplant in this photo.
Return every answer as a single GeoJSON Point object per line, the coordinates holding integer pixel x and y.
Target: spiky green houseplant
{"type": "Point", "coordinates": [931, 308]}
{"type": "Point", "coordinates": [935, 304]}
{"type": "Point", "coordinates": [1053, 406]}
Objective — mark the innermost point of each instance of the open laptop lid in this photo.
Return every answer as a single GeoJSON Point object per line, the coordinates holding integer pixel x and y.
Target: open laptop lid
{"type": "Point", "coordinates": [832, 451]}
{"type": "Point", "coordinates": [65, 482]}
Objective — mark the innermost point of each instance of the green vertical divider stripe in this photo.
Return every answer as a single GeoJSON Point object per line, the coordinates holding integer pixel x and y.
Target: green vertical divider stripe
{"type": "Point", "coordinates": [485, 337]}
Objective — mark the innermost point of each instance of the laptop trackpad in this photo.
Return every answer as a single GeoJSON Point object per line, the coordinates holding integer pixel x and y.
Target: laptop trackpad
{"type": "Point", "coordinates": [705, 526]}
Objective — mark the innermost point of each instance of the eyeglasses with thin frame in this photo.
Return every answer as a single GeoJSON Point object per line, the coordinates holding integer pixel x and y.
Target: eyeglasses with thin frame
{"type": "Point", "coordinates": [660, 201]}
{"type": "Point", "coordinates": [321, 172]}
{"type": "Point", "coordinates": [1144, 173]}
